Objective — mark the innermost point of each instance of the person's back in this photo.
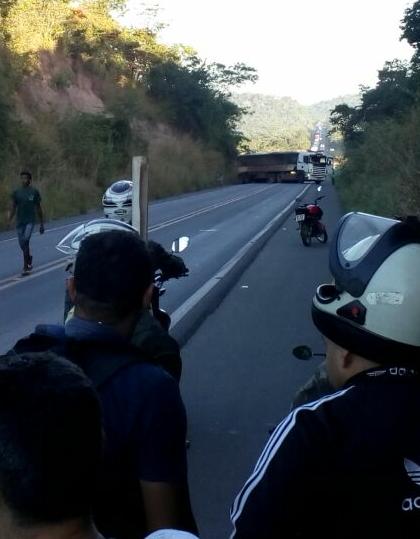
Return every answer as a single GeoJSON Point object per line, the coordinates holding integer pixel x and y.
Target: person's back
{"type": "Point", "coordinates": [348, 464]}
{"type": "Point", "coordinates": [50, 447]}
{"type": "Point", "coordinates": [144, 484]}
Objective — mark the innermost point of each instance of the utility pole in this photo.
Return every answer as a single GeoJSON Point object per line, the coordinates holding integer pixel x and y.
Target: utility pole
{"type": "Point", "coordinates": [140, 176]}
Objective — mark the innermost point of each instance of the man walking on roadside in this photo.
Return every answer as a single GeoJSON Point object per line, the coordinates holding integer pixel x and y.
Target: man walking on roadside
{"type": "Point", "coordinates": [26, 203]}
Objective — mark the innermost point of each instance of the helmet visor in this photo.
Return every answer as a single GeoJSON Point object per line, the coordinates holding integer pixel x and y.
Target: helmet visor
{"type": "Point", "coordinates": [358, 235]}
{"type": "Point", "coordinates": [70, 244]}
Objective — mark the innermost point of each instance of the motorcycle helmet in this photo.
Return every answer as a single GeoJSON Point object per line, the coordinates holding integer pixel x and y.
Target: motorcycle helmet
{"type": "Point", "coordinates": [70, 244]}
{"type": "Point", "coordinates": [373, 306]}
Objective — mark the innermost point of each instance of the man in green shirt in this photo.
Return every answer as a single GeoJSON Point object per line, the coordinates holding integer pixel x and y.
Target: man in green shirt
{"type": "Point", "coordinates": [26, 203]}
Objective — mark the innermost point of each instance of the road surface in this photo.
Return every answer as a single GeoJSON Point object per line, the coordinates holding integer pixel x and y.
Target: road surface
{"type": "Point", "coordinates": [219, 222]}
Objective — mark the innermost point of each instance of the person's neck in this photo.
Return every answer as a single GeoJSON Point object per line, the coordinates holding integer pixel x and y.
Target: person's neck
{"type": "Point", "coordinates": [74, 529]}
{"type": "Point", "coordinates": [124, 327]}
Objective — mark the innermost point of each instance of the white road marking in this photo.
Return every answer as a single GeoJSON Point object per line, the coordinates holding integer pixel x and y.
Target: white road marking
{"type": "Point", "coordinates": [20, 280]}
{"type": "Point", "coordinates": [156, 227]}
{"type": "Point", "coordinates": [53, 265]}
{"type": "Point", "coordinates": [193, 300]}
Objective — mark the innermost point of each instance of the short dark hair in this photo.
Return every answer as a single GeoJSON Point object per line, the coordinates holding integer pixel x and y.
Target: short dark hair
{"type": "Point", "coordinates": [112, 272]}
{"type": "Point", "coordinates": [50, 439]}
{"type": "Point", "coordinates": [27, 174]}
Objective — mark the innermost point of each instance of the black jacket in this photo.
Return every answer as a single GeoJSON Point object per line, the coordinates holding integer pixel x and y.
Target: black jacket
{"type": "Point", "coordinates": [347, 465]}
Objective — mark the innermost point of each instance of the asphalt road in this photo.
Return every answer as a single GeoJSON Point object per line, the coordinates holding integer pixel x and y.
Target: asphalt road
{"type": "Point", "coordinates": [239, 374]}
{"type": "Point", "coordinates": [219, 222]}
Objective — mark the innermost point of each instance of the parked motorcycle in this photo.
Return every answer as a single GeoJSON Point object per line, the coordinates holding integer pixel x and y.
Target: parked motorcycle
{"type": "Point", "coordinates": [308, 218]}
{"type": "Point", "coordinates": [166, 265]}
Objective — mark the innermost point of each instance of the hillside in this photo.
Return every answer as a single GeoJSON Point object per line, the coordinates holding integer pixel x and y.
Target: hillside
{"type": "Point", "coordinates": [80, 94]}
{"type": "Point", "coordinates": [281, 122]}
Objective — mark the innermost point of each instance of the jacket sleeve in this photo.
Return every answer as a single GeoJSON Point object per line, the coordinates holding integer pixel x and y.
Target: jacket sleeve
{"type": "Point", "coordinates": [269, 504]}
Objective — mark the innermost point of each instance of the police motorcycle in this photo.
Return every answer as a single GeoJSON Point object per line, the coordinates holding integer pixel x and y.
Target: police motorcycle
{"type": "Point", "coordinates": [308, 218]}
{"type": "Point", "coordinates": [166, 265]}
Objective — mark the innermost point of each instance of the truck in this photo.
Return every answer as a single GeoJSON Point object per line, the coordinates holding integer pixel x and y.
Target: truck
{"type": "Point", "coordinates": [274, 167]}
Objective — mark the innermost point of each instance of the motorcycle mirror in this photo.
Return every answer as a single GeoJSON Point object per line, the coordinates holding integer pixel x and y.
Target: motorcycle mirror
{"type": "Point", "coordinates": [305, 352]}
{"type": "Point", "coordinates": [180, 244]}
{"type": "Point", "coordinates": [302, 352]}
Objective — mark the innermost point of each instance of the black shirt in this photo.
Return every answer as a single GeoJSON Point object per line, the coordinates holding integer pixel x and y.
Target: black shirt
{"type": "Point", "coordinates": [347, 465]}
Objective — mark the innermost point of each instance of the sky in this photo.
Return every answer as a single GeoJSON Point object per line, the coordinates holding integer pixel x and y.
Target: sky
{"type": "Point", "coordinates": [306, 49]}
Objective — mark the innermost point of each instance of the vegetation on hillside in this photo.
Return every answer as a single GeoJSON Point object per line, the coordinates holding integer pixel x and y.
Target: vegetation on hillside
{"type": "Point", "coordinates": [381, 171]}
{"type": "Point", "coordinates": [80, 94]}
{"type": "Point", "coordinates": [281, 123]}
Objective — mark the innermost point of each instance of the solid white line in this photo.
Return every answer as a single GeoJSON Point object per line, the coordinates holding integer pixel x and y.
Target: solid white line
{"type": "Point", "coordinates": [206, 209]}
{"type": "Point", "coordinates": [165, 224]}
{"type": "Point", "coordinates": [17, 279]}
{"type": "Point", "coordinates": [37, 271]}
{"type": "Point", "coordinates": [193, 300]}
{"type": "Point", "coordinates": [20, 280]}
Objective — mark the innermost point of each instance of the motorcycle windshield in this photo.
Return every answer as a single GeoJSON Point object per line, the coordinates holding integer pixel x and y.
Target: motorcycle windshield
{"type": "Point", "coordinates": [70, 244]}
{"type": "Point", "coordinates": [359, 234]}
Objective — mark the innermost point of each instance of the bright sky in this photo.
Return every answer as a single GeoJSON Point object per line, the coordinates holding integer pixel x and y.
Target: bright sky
{"type": "Point", "coordinates": [307, 49]}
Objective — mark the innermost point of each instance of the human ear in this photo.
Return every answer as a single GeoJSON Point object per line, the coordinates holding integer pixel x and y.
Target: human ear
{"type": "Point", "coordinates": [71, 288]}
{"type": "Point", "coordinates": [147, 298]}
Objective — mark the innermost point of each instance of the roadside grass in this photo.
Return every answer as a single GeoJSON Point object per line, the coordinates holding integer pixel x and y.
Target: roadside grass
{"type": "Point", "coordinates": [178, 164]}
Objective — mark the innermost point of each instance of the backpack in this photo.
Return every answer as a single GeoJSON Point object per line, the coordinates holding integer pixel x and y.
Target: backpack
{"type": "Point", "coordinates": [99, 360]}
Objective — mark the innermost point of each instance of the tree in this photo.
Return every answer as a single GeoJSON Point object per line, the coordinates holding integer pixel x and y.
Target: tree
{"type": "Point", "coordinates": [197, 98]}
{"type": "Point", "coordinates": [410, 25]}
{"type": "Point", "coordinates": [34, 25]}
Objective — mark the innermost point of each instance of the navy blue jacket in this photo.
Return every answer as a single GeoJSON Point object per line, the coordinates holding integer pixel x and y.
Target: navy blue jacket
{"type": "Point", "coordinates": [144, 425]}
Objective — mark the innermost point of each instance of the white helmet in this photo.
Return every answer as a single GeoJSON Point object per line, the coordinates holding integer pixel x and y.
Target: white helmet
{"type": "Point", "coordinates": [70, 244]}
{"type": "Point", "coordinates": [373, 307]}
{"type": "Point", "coordinates": [171, 534]}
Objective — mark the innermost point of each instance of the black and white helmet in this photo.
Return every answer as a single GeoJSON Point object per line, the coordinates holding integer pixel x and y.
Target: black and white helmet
{"type": "Point", "coordinates": [373, 307]}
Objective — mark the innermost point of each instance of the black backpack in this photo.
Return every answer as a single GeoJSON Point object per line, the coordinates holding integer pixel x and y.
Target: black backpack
{"type": "Point", "coordinates": [100, 360]}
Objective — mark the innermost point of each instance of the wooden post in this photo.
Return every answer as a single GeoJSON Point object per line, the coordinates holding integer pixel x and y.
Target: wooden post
{"type": "Point", "coordinates": [140, 176]}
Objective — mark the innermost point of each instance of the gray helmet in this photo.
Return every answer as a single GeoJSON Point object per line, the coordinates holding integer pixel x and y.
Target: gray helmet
{"type": "Point", "coordinates": [373, 307]}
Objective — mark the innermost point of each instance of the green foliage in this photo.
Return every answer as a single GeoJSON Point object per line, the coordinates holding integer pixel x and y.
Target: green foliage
{"type": "Point", "coordinates": [61, 57]}
{"type": "Point", "coordinates": [95, 145]}
{"type": "Point", "coordinates": [61, 80]}
{"type": "Point", "coordinates": [34, 25]}
{"type": "Point", "coordinates": [381, 173]}
{"type": "Point", "coordinates": [410, 25]}
{"type": "Point", "coordinates": [280, 123]}
{"type": "Point", "coordinates": [179, 161]}
{"type": "Point", "coordinates": [197, 99]}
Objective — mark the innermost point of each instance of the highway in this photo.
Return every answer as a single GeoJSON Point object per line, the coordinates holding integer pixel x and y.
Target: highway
{"type": "Point", "coordinates": [239, 375]}
{"type": "Point", "coordinates": [219, 222]}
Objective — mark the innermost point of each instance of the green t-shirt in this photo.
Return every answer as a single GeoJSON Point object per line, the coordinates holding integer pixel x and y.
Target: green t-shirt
{"type": "Point", "coordinates": [26, 199]}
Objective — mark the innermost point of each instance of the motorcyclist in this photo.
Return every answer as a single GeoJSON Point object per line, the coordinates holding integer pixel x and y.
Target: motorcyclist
{"type": "Point", "coordinates": [352, 456]}
{"type": "Point", "coordinates": [149, 336]}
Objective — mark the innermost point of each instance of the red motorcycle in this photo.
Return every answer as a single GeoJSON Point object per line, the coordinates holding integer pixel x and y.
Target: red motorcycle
{"type": "Point", "coordinates": [308, 217]}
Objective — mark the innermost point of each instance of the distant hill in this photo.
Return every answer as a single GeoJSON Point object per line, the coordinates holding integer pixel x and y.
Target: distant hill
{"type": "Point", "coordinates": [282, 123]}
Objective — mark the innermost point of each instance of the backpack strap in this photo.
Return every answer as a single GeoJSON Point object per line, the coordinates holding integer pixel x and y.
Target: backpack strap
{"type": "Point", "coordinates": [99, 360]}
